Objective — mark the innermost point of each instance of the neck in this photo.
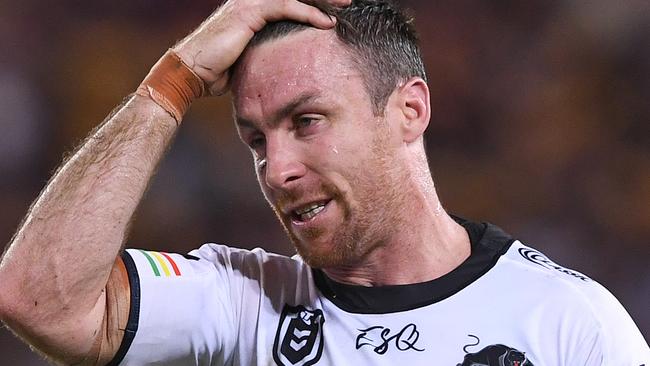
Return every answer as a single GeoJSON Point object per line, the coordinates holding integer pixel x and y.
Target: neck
{"type": "Point", "coordinates": [423, 247]}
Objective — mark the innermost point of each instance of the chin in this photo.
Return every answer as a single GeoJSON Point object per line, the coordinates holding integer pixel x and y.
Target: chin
{"type": "Point", "coordinates": [324, 254]}
{"type": "Point", "coordinates": [320, 247]}
{"type": "Point", "coordinates": [321, 261]}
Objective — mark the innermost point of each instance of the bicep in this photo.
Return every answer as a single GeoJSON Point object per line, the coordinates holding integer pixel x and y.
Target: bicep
{"type": "Point", "coordinates": [88, 338]}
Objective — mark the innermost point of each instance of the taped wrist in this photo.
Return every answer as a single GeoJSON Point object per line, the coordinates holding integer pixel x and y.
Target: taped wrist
{"type": "Point", "coordinates": [172, 85]}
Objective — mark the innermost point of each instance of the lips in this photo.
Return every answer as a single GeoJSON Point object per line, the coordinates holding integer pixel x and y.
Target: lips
{"type": "Point", "coordinates": [308, 211]}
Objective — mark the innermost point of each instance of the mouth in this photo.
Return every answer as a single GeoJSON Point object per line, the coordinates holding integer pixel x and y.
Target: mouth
{"type": "Point", "coordinates": [308, 212]}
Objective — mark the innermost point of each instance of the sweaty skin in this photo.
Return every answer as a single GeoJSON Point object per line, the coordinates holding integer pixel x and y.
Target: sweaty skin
{"type": "Point", "coordinates": [378, 220]}
{"type": "Point", "coordinates": [61, 287]}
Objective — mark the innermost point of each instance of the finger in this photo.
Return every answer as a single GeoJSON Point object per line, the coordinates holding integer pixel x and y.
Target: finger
{"type": "Point", "coordinates": [335, 3]}
{"type": "Point", "coordinates": [303, 13]}
{"type": "Point", "coordinates": [339, 3]}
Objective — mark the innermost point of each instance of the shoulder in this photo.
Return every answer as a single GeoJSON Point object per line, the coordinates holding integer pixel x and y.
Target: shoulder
{"type": "Point", "coordinates": [255, 262]}
{"type": "Point", "coordinates": [574, 301]}
{"type": "Point", "coordinates": [535, 265]}
{"type": "Point", "coordinates": [533, 269]}
{"type": "Point", "coordinates": [219, 253]}
{"type": "Point", "coordinates": [212, 261]}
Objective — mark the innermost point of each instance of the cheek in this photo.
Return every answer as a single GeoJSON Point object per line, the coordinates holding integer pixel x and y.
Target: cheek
{"type": "Point", "coordinates": [340, 170]}
{"type": "Point", "coordinates": [341, 154]}
{"type": "Point", "coordinates": [342, 146]}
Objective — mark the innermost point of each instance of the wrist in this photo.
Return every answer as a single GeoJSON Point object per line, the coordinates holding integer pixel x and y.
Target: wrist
{"type": "Point", "coordinates": [173, 85]}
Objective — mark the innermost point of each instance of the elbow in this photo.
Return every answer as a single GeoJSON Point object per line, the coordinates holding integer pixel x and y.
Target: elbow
{"type": "Point", "coordinates": [4, 306]}
{"type": "Point", "coordinates": [2, 312]}
{"type": "Point", "coordinates": [4, 299]}
{"type": "Point", "coordinates": [3, 294]}
{"type": "Point", "coordinates": [9, 297]}
{"type": "Point", "coordinates": [14, 315]}
{"type": "Point", "coordinates": [14, 290]}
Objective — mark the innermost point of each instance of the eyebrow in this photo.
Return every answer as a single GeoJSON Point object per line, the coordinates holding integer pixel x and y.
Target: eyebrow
{"type": "Point", "coordinates": [283, 112]}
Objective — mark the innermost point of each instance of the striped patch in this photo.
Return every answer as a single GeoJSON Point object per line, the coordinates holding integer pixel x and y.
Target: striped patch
{"type": "Point", "coordinates": [161, 263]}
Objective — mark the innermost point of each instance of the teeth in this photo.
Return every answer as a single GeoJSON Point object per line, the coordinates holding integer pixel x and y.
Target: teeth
{"type": "Point", "coordinates": [310, 211]}
{"type": "Point", "coordinates": [308, 208]}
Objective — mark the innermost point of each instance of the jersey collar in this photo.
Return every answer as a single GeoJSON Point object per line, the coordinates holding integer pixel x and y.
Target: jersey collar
{"type": "Point", "coordinates": [488, 244]}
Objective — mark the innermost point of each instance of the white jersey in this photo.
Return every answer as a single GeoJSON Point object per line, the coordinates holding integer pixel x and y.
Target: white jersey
{"type": "Point", "coordinates": [507, 304]}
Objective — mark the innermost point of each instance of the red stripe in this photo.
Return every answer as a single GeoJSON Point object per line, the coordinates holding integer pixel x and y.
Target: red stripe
{"type": "Point", "coordinates": [171, 261]}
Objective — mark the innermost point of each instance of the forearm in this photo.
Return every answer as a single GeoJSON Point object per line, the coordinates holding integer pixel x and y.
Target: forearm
{"type": "Point", "coordinates": [58, 263]}
{"type": "Point", "coordinates": [55, 275]}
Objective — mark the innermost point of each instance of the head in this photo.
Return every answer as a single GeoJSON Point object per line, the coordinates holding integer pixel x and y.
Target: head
{"type": "Point", "coordinates": [334, 119]}
{"type": "Point", "coordinates": [379, 39]}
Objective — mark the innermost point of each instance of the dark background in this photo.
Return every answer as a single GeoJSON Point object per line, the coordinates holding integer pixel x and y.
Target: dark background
{"type": "Point", "coordinates": [540, 124]}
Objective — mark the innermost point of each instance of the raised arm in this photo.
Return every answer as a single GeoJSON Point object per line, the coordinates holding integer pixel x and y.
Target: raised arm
{"type": "Point", "coordinates": [62, 284]}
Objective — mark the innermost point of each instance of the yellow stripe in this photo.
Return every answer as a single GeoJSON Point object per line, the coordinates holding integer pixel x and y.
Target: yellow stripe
{"type": "Point", "coordinates": [161, 260]}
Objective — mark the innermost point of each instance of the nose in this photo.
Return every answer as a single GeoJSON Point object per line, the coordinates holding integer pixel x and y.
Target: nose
{"type": "Point", "coordinates": [283, 165]}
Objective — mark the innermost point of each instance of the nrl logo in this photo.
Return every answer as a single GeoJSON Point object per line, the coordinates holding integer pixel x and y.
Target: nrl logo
{"type": "Point", "coordinates": [299, 338]}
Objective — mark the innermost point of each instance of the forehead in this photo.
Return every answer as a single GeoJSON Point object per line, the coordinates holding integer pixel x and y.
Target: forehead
{"type": "Point", "coordinates": [309, 61]}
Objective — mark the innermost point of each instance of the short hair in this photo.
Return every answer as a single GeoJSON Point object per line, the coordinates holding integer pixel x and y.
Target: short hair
{"type": "Point", "coordinates": [380, 37]}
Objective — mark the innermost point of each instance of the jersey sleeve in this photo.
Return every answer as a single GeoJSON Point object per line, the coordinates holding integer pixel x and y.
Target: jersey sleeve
{"type": "Point", "coordinates": [182, 309]}
{"type": "Point", "coordinates": [617, 340]}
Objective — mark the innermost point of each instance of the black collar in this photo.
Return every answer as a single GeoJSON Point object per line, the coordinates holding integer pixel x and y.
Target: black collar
{"type": "Point", "coordinates": [488, 244]}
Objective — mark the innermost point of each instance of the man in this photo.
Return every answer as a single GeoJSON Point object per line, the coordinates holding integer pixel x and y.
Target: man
{"type": "Point", "coordinates": [334, 113]}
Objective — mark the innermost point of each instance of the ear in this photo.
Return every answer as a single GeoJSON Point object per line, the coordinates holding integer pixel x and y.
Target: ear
{"type": "Point", "coordinates": [412, 100]}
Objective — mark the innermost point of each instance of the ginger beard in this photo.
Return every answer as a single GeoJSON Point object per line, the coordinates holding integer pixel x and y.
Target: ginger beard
{"type": "Point", "coordinates": [370, 208]}
{"type": "Point", "coordinates": [364, 178]}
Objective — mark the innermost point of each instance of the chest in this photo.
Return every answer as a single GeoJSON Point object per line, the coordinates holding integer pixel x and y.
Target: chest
{"type": "Point", "coordinates": [434, 335]}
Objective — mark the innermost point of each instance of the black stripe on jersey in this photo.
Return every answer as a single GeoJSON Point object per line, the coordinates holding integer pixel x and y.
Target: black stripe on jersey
{"type": "Point", "coordinates": [488, 243]}
{"type": "Point", "coordinates": [134, 311]}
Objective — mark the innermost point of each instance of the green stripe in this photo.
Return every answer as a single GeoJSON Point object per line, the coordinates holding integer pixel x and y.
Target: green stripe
{"type": "Point", "coordinates": [153, 264]}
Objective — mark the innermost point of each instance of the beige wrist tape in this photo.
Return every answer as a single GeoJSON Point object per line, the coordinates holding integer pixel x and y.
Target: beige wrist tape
{"type": "Point", "coordinates": [172, 85]}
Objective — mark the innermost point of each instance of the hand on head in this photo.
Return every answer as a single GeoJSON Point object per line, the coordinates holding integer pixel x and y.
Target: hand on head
{"type": "Point", "coordinates": [214, 46]}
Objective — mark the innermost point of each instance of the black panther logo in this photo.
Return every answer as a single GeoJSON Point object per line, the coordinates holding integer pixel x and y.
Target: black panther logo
{"type": "Point", "coordinates": [494, 355]}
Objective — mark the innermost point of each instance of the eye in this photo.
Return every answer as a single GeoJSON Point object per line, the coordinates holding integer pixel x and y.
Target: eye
{"type": "Point", "coordinates": [307, 124]}
{"type": "Point", "coordinates": [256, 142]}
{"type": "Point", "coordinates": [305, 121]}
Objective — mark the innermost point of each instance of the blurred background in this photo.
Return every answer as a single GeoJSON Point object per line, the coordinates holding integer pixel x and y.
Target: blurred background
{"type": "Point", "coordinates": [541, 124]}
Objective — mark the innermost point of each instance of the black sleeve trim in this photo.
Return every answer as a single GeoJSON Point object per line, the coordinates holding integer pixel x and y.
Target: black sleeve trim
{"type": "Point", "coordinates": [134, 312]}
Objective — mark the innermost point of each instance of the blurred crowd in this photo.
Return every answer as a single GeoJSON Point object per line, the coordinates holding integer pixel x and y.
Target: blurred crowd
{"type": "Point", "coordinates": [541, 124]}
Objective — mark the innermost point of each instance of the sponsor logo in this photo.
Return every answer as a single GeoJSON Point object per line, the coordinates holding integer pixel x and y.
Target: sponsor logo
{"type": "Point", "coordinates": [380, 339]}
{"type": "Point", "coordinates": [299, 338]}
{"type": "Point", "coordinates": [494, 355]}
{"type": "Point", "coordinates": [541, 260]}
